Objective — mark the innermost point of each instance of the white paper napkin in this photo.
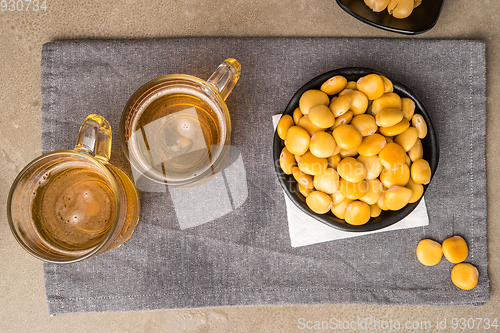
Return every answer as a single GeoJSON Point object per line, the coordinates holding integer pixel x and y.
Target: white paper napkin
{"type": "Point", "coordinates": [305, 230]}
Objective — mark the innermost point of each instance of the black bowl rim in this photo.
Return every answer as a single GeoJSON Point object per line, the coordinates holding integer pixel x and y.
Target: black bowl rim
{"type": "Point", "coordinates": [329, 219]}
{"type": "Point", "coordinates": [389, 28]}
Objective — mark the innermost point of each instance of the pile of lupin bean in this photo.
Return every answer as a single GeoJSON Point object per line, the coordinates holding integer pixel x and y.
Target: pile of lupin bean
{"type": "Point", "coordinates": [355, 148]}
{"type": "Point", "coordinates": [398, 8]}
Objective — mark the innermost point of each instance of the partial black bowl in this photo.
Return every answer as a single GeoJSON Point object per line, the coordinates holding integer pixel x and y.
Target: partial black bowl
{"type": "Point", "coordinates": [386, 218]}
{"type": "Point", "coordinates": [422, 19]}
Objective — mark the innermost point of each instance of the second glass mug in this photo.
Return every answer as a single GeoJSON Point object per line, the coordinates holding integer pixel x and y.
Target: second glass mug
{"type": "Point", "coordinates": [176, 129]}
{"type": "Point", "coordinates": [69, 205]}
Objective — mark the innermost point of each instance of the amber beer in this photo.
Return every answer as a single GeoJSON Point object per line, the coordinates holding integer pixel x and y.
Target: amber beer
{"type": "Point", "coordinates": [68, 205]}
{"type": "Point", "coordinates": [176, 129]}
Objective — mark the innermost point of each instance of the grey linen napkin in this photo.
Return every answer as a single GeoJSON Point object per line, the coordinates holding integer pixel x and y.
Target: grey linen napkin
{"type": "Point", "coordinates": [244, 256]}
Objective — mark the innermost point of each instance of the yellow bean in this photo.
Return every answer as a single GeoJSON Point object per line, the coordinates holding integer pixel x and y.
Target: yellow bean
{"type": "Point", "coordinates": [365, 124]}
{"type": "Point", "coordinates": [311, 164]}
{"type": "Point", "coordinates": [408, 107]}
{"type": "Point", "coordinates": [387, 101]}
{"type": "Point", "coordinates": [375, 210]}
{"type": "Point", "coordinates": [297, 158]}
{"type": "Point", "coordinates": [377, 5]}
{"type": "Point", "coordinates": [464, 276]}
{"type": "Point", "coordinates": [388, 117]}
{"type": "Point", "coordinates": [429, 252]}
{"type": "Point", "coordinates": [419, 123]}
{"type": "Point", "coordinates": [352, 170]}
{"type": "Point", "coordinates": [351, 85]}
{"type": "Point", "coordinates": [372, 164]}
{"type": "Point", "coordinates": [357, 213]}
{"type": "Point", "coordinates": [297, 140]}
{"type": "Point", "coordinates": [340, 105]}
{"type": "Point", "coordinates": [287, 161]}
{"type": "Point", "coordinates": [312, 98]}
{"type": "Point", "coordinates": [343, 119]}
{"type": "Point", "coordinates": [297, 114]}
{"type": "Point", "coordinates": [319, 202]}
{"type": "Point", "coordinates": [327, 182]}
{"type": "Point", "coordinates": [322, 144]}
{"type": "Point", "coordinates": [339, 209]}
{"type": "Point", "coordinates": [388, 139]}
{"type": "Point", "coordinates": [359, 102]}
{"type": "Point", "coordinates": [371, 145]}
{"type": "Point", "coordinates": [455, 249]}
{"type": "Point", "coordinates": [400, 8]}
{"type": "Point", "coordinates": [395, 129]}
{"type": "Point", "coordinates": [334, 160]}
{"type": "Point", "coordinates": [374, 192]}
{"type": "Point", "coordinates": [392, 156]}
{"type": "Point", "coordinates": [304, 191]}
{"type": "Point", "coordinates": [408, 161]}
{"type": "Point", "coordinates": [396, 197]}
{"type": "Point", "coordinates": [347, 136]}
{"type": "Point", "coordinates": [306, 124]}
{"type": "Point", "coordinates": [352, 190]}
{"type": "Point", "coordinates": [381, 200]}
{"type": "Point", "coordinates": [303, 179]}
{"type": "Point", "coordinates": [348, 152]}
{"type": "Point", "coordinates": [421, 172]}
{"type": "Point", "coordinates": [372, 85]}
{"type": "Point", "coordinates": [417, 190]}
{"type": "Point", "coordinates": [334, 85]}
{"type": "Point", "coordinates": [337, 197]}
{"type": "Point", "coordinates": [388, 86]}
{"type": "Point", "coordinates": [399, 176]}
{"type": "Point", "coordinates": [407, 139]}
{"type": "Point", "coordinates": [321, 116]}
{"type": "Point", "coordinates": [284, 124]}
{"type": "Point", "coordinates": [417, 151]}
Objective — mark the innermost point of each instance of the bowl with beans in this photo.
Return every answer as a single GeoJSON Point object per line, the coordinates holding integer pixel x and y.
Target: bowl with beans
{"type": "Point", "coordinates": [355, 149]}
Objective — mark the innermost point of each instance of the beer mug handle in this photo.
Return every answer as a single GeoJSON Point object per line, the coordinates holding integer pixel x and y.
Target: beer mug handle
{"type": "Point", "coordinates": [225, 77]}
{"type": "Point", "coordinates": [94, 137]}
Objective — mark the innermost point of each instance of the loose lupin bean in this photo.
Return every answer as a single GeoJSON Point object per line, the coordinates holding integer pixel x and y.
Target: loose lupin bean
{"type": "Point", "coordinates": [353, 190]}
{"type": "Point", "coordinates": [327, 182]}
{"type": "Point", "coordinates": [417, 151]}
{"type": "Point", "coordinates": [339, 209]}
{"type": "Point", "coordinates": [419, 123]}
{"type": "Point", "coordinates": [365, 124]}
{"type": "Point", "coordinates": [372, 164]}
{"type": "Point", "coordinates": [388, 86]}
{"type": "Point", "coordinates": [417, 190]}
{"type": "Point", "coordinates": [395, 129]}
{"type": "Point", "coordinates": [408, 107]}
{"type": "Point", "coordinates": [340, 105]}
{"type": "Point", "coordinates": [421, 172]}
{"type": "Point", "coordinates": [297, 114]}
{"type": "Point", "coordinates": [283, 125]}
{"type": "Point", "coordinates": [392, 156]}
{"type": "Point", "coordinates": [455, 249]}
{"type": "Point", "coordinates": [371, 145]}
{"type": "Point", "coordinates": [377, 5]}
{"type": "Point", "coordinates": [334, 85]}
{"type": "Point", "coordinates": [357, 213]}
{"type": "Point", "coordinates": [322, 144]}
{"type": "Point", "coordinates": [297, 140]}
{"type": "Point", "coordinates": [312, 98]}
{"type": "Point", "coordinates": [429, 252]}
{"type": "Point", "coordinates": [388, 117]}
{"type": "Point", "coordinates": [465, 276]}
{"type": "Point", "coordinates": [375, 210]}
{"type": "Point", "coordinates": [321, 116]}
{"type": "Point", "coordinates": [400, 8]}
{"type": "Point", "coordinates": [287, 161]}
{"type": "Point", "coordinates": [372, 85]}
{"type": "Point", "coordinates": [352, 170]}
{"type": "Point", "coordinates": [319, 202]}
{"type": "Point", "coordinates": [343, 119]}
{"type": "Point", "coordinates": [347, 136]}
{"type": "Point", "coordinates": [303, 179]}
{"type": "Point", "coordinates": [396, 197]}
{"type": "Point", "coordinates": [407, 139]}
{"type": "Point", "coordinates": [399, 176]}
{"type": "Point", "coordinates": [374, 192]}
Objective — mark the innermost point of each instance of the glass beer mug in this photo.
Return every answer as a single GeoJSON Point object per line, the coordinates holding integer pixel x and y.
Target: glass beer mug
{"type": "Point", "coordinates": [176, 129]}
{"type": "Point", "coordinates": [68, 205]}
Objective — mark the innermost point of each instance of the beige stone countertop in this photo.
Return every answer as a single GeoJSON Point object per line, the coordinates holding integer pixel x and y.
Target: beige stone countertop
{"type": "Point", "coordinates": [22, 296]}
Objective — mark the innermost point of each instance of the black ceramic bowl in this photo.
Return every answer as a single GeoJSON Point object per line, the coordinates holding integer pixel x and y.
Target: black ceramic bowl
{"type": "Point", "coordinates": [386, 218]}
{"type": "Point", "coordinates": [422, 19]}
